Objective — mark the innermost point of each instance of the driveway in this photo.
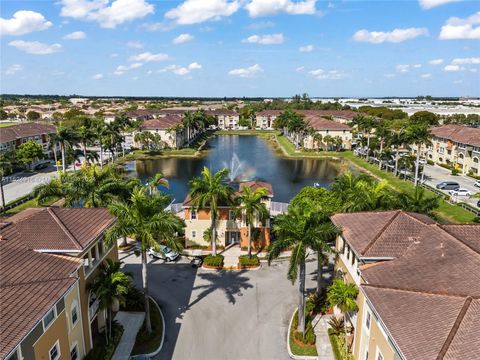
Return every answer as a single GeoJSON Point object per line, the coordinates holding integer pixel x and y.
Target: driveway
{"type": "Point", "coordinates": [235, 315]}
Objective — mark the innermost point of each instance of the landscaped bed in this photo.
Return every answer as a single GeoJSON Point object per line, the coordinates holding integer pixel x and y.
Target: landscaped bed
{"type": "Point", "coordinates": [103, 351]}
{"type": "Point", "coordinates": [302, 345]}
{"type": "Point", "coordinates": [148, 343]}
{"type": "Point", "coordinates": [248, 262]}
{"type": "Point", "coordinates": [338, 346]}
{"type": "Point", "coordinates": [213, 262]}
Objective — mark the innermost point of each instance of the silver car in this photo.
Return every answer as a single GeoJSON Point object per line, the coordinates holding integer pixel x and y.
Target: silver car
{"type": "Point", "coordinates": [165, 253]}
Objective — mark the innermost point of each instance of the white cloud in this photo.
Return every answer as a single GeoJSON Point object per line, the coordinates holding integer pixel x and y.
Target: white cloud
{"type": "Point", "coordinates": [436, 62]}
{"type": "Point", "coordinates": [300, 69]}
{"type": "Point", "coordinates": [306, 48]}
{"type": "Point", "coordinates": [35, 47]}
{"type": "Point", "coordinates": [327, 75]}
{"type": "Point", "coordinates": [453, 68]}
{"type": "Point", "coordinates": [248, 72]}
{"type": "Point", "coordinates": [389, 76]}
{"type": "Point", "coordinates": [456, 28]}
{"type": "Point", "coordinates": [76, 35]}
{"type": "Point", "coordinates": [181, 70]}
{"type": "Point", "coordinates": [182, 38]}
{"type": "Point", "coordinates": [148, 57]}
{"type": "Point", "coordinates": [402, 68]}
{"type": "Point", "coordinates": [426, 76]}
{"type": "Point", "coordinates": [272, 7]}
{"type": "Point", "coordinates": [394, 36]}
{"type": "Point", "coordinates": [135, 44]}
{"type": "Point", "coordinates": [136, 65]}
{"type": "Point", "coordinates": [428, 4]}
{"type": "Point", "coordinates": [13, 69]}
{"type": "Point", "coordinates": [107, 14]}
{"type": "Point", "coordinates": [197, 11]}
{"type": "Point", "coordinates": [272, 39]}
{"type": "Point", "coordinates": [23, 22]}
{"type": "Point", "coordinates": [417, 66]}
{"type": "Point", "coordinates": [120, 70]}
{"type": "Point", "coordinates": [463, 61]}
{"type": "Point", "coordinates": [97, 76]}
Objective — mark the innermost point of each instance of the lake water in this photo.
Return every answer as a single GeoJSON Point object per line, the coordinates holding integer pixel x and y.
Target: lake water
{"type": "Point", "coordinates": [249, 158]}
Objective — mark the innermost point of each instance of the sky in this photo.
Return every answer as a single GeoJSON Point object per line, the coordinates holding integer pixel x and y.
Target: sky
{"type": "Point", "coordinates": [266, 48]}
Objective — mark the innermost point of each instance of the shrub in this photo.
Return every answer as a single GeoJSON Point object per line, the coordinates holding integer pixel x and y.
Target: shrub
{"type": "Point", "coordinates": [319, 302]}
{"type": "Point", "coordinates": [455, 172]}
{"type": "Point", "coordinates": [102, 351]}
{"type": "Point", "coordinates": [249, 261]}
{"type": "Point", "coordinates": [430, 162]}
{"type": "Point", "coordinates": [211, 260]}
{"type": "Point", "coordinates": [337, 326]}
{"type": "Point", "coordinates": [134, 300]}
{"type": "Point", "coordinates": [309, 337]}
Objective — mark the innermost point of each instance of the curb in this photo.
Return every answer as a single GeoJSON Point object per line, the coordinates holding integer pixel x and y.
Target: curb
{"type": "Point", "coordinates": [296, 357]}
{"type": "Point", "coordinates": [152, 354]}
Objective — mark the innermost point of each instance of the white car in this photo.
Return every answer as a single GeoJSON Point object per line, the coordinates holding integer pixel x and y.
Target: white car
{"type": "Point", "coordinates": [477, 183]}
{"type": "Point", "coordinates": [165, 253]}
{"type": "Point", "coordinates": [460, 192]}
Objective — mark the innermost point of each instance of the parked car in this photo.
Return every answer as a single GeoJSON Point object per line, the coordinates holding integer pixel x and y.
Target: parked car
{"type": "Point", "coordinates": [448, 185]}
{"type": "Point", "coordinates": [460, 192]}
{"type": "Point", "coordinates": [477, 183]}
{"type": "Point", "coordinates": [165, 253]}
{"type": "Point", "coordinates": [40, 166]}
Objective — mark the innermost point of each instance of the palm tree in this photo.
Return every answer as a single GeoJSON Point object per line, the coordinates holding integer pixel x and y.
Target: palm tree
{"type": "Point", "coordinates": [297, 126]}
{"type": "Point", "coordinates": [419, 135]}
{"type": "Point", "coordinates": [144, 218]}
{"type": "Point", "coordinates": [365, 125]}
{"type": "Point", "coordinates": [299, 231]}
{"type": "Point", "coordinates": [252, 207]}
{"type": "Point", "coordinates": [66, 137]}
{"type": "Point", "coordinates": [100, 135]}
{"type": "Point", "coordinates": [382, 132]}
{"type": "Point", "coordinates": [418, 201]}
{"type": "Point", "coordinates": [343, 295]}
{"type": "Point", "coordinates": [317, 138]}
{"type": "Point", "coordinates": [110, 286]}
{"type": "Point", "coordinates": [85, 133]}
{"type": "Point", "coordinates": [208, 191]}
{"type": "Point", "coordinates": [157, 180]}
{"type": "Point", "coordinates": [188, 121]}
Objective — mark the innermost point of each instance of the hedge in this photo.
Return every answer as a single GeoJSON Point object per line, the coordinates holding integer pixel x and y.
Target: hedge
{"type": "Point", "coordinates": [211, 260]}
{"type": "Point", "coordinates": [103, 351]}
{"type": "Point", "coordinates": [244, 260]}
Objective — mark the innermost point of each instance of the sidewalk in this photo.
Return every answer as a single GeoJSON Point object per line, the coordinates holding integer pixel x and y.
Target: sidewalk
{"type": "Point", "coordinates": [324, 347]}
{"type": "Point", "coordinates": [131, 322]}
{"type": "Point", "coordinates": [230, 257]}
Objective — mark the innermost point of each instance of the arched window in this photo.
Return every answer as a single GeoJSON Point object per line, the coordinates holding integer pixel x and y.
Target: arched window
{"type": "Point", "coordinates": [475, 160]}
{"type": "Point", "coordinates": [461, 156]}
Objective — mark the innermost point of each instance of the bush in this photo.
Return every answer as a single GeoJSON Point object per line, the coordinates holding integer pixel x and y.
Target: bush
{"type": "Point", "coordinates": [319, 301]}
{"type": "Point", "coordinates": [309, 337]}
{"type": "Point", "coordinates": [103, 351]}
{"type": "Point", "coordinates": [430, 162]}
{"type": "Point", "coordinates": [134, 300]}
{"type": "Point", "coordinates": [211, 260]}
{"type": "Point", "coordinates": [249, 261]}
{"type": "Point", "coordinates": [455, 171]}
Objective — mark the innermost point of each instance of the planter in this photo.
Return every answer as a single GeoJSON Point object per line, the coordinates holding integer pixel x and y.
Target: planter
{"type": "Point", "coordinates": [210, 267]}
{"type": "Point", "coordinates": [299, 343]}
{"type": "Point", "coordinates": [247, 267]}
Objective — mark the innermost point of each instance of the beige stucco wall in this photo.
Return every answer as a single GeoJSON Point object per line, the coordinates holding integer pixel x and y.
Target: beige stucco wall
{"type": "Point", "coordinates": [58, 330]}
{"type": "Point", "coordinates": [75, 331]}
{"type": "Point", "coordinates": [345, 135]}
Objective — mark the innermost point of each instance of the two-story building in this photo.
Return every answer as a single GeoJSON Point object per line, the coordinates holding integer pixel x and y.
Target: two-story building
{"type": "Point", "coordinates": [419, 290]}
{"type": "Point", "coordinates": [327, 128]}
{"type": "Point", "coordinates": [226, 119]}
{"type": "Point", "coordinates": [49, 256]}
{"type": "Point", "coordinates": [12, 137]}
{"type": "Point", "coordinates": [230, 229]}
{"type": "Point", "coordinates": [169, 128]}
{"type": "Point", "coordinates": [456, 145]}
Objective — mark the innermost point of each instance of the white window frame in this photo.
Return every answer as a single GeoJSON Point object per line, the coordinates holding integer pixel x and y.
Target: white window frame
{"type": "Point", "coordinates": [379, 355]}
{"type": "Point", "coordinates": [368, 321]}
{"type": "Point", "coordinates": [54, 309]}
{"type": "Point", "coordinates": [74, 307]}
{"type": "Point", "coordinates": [75, 346]}
{"type": "Point", "coordinates": [231, 214]}
{"type": "Point", "coordinates": [56, 345]}
{"type": "Point", "coordinates": [193, 215]}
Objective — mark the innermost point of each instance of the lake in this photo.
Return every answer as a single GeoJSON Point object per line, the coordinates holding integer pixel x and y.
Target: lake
{"type": "Point", "coordinates": [248, 158]}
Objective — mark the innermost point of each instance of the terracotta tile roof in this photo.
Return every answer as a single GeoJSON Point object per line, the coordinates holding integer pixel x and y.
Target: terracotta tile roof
{"type": "Point", "coordinates": [319, 123]}
{"type": "Point", "coordinates": [468, 234]}
{"type": "Point", "coordinates": [20, 131]}
{"type": "Point", "coordinates": [419, 323]}
{"type": "Point", "coordinates": [30, 285]}
{"type": "Point", "coordinates": [66, 229]}
{"type": "Point", "coordinates": [225, 112]}
{"type": "Point", "coordinates": [255, 184]}
{"type": "Point", "coordinates": [458, 133]}
{"type": "Point", "coordinates": [344, 114]}
{"type": "Point", "coordinates": [381, 234]}
{"type": "Point", "coordinates": [164, 122]}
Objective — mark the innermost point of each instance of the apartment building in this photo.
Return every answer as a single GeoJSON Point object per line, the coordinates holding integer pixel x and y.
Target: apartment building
{"type": "Point", "coordinates": [49, 256]}
{"type": "Point", "coordinates": [419, 291]}
{"type": "Point", "coordinates": [226, 119]}
{"type": "Point", "coordinates": [230, 229]}
{"type": "Point", "coordinates": [12, 137]}
{"type": "Point", "coordinates": [170, 129]}
{"type": "Point", "coordinates": [329, 131]}
{"type": "Point", "coordinates": [265, 118]}
{"type": "Point", "coordinates": [456, 145]}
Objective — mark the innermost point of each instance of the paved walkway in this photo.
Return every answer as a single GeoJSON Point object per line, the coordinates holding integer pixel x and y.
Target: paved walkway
{"type": "Point", "coordinates": [231, 257]}
{"type": "Point", "coordinates": [324, 347]}
{"type": "Point", "coordinates": [131, 322]}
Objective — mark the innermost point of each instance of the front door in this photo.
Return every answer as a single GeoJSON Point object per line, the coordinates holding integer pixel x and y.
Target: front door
{"type": "Point", "coordinates": [233, 237]}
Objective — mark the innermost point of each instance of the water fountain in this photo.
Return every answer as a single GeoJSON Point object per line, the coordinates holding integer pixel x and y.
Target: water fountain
{"type": "Point", "coordinates": [234, 168]}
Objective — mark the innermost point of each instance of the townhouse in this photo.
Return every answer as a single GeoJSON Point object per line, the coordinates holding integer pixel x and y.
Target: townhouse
{"type": "Point", "coordinates": [265, 118]}
{"type": "Point", "coordinates": [168, 127]}
{"type": "Point", "coordinates": [226, 119]}
{"type": "Point", "coordinates": [230, 229]}
{"type": "Point", "coordinates": [456, 145]}
{"type": "Point", "coordinates": [330, 131]}
{"type": "Point", "coordinates": [12, 137]}
{"type": "Point", "coordinates": [49, 256]}
{"type": "Point", "coordinates": [419, 290]}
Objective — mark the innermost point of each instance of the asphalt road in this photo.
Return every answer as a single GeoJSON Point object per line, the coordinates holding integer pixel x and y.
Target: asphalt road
{"type": "Point", "coordinates": [234, 315]}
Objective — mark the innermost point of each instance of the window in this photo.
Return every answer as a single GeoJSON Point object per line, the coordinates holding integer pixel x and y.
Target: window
{"type": "Point", "coordinates": [368, 320]}
{"type": "Point", "coordinates": [55, 352]}
{"type": "Point", "coordinates": [379, 355]}
{"type": "Point", "coordinates": [194, 234]}
{"type": "Point", "coordinates": [194, 215]}
{"type": "Point", "coordinates": [231, 215]}
{"type": "Point", "coordinates": [74, 314]}
{"type": "Point", "coordinates": [48, 319]}
{"type": "Point", "coordinates": [74, 353]}
{"type": "Point", "coordinates": [13, 356]}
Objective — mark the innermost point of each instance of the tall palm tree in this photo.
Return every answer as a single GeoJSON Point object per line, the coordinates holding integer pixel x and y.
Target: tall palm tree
{"type": "Point", "coordinates": [252, 208]}
{"type": "Point", "coordinates": [208, 192]}
{"type": "Point", "coordinates": [188, 122]}
{"type": "Point", "coordinates": [66, 137]}
{"type": "Point", "coordinates": [343, 295]}
{"type": "Point", "coordinates": [99, 127]}
{"type": "Point", "coordinates": [298, 231]}
{"type": "Point", "coordinates": [418, 201]}
{"type": "Point", "coordinates": [418, 134]}
{"type": "Point", "coordinates": [157, 180]}
{"type": "Point", "coordinates": [365, 125]}
{"type": "Point", "coordinates": [145, 219]}
{"type": "Point", "coordinates": [85, 134]}
{"type": "Point", "coordinates": [382, 133]}
{"type": "Point", "coordinates": [297, 126]}
{"type": "Point", "coordinates": [110, 286]}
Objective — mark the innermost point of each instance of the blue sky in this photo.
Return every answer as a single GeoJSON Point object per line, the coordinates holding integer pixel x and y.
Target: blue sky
{"type": "Point", "coordinates": [241, 47]}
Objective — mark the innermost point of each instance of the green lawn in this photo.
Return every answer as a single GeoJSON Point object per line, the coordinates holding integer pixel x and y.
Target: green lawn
{"type": "Point", "coordinates": [297, 349]}
{"type": "Point", "coordinates": [29, 204]}
{"type": "Point", "coordinates": [446, 212]}
{"type": "Point", "coordinates": [6, 124]}
{"type": "Point", "coordinates": [145, 343]}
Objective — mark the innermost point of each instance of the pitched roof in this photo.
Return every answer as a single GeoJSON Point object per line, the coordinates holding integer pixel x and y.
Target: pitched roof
{"type": "Point", "coordinates": [30, 285]}
{"type": "Point", "coordinates": [381, 234]}
{"type": "Point", "coordinates": [49, 229]}
{"type": "Point", "coordinates": [20, 131]}
{"type": "Point", "coordinates": [319, 123]}
{"type": "Point", "coordinates": [256, 184]}
{"type": "Point", "coordinates": [226, 112]}
{"type": "Point", "coordinates": [458, 133]}
{"type": "Point", "coordinates": [164, 122]}
{"type": "Point", "coordinates": [344, 114]}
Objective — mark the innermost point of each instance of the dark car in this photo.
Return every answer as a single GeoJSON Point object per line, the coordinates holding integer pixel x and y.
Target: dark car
{"type": "Point", "coordinates": [448, 185]}
{"type": "Point", "coordinates": [40, 166]}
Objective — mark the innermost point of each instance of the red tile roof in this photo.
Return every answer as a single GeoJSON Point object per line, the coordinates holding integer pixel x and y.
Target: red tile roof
{"type": "Point", "coordinates": [66, 229]}
{"type": "Point", "coordinates": [255, 184]}
{"type": "Point", "coordinates": [319, 123]}
{"type": "Point", "coordinates": [458, 133]}
{"type": "Point", "coordinates": [161, 123]}
{"type": "Point", "coordinates": [12, 133]}
{"type": "Point", "coordinates": [344, 114]}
